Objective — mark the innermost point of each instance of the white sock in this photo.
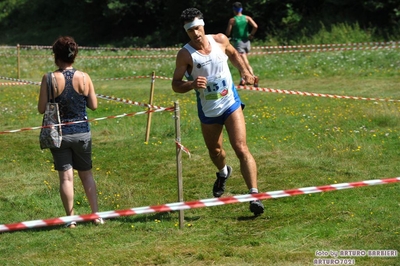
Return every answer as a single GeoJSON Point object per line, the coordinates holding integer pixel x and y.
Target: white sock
{"type": "Point", "coordinates": [253, 191]}
{"type": "Point", "coordinates": [224, 171]}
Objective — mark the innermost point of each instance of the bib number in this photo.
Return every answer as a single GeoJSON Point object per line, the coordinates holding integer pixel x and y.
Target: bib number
{"type": "Point", "coordinates": [216, 89]}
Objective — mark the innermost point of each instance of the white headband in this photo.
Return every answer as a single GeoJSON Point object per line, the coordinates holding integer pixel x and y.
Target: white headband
{"type": "Point", "coordinates": [195, 22]}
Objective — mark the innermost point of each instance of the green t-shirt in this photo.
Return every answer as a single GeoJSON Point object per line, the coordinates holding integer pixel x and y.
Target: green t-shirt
{"type": "Point", "coordinates": [240, 29]}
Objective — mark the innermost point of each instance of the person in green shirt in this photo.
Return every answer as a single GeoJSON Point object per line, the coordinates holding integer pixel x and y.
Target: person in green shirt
{"type": "Point", "coordinates": [238, 30]}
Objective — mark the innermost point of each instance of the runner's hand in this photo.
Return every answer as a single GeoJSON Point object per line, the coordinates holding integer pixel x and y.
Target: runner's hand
{"type": "Point", "coordinates": [200, 83]}
{"type": "Point", "coordinates": [249, 79]}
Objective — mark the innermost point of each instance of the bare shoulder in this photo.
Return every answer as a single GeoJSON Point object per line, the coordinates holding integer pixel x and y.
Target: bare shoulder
{"type": "Point", "coordinates": [183, 52]}
{"type": "Point", "coordinates": [44, 78]}
{"type": "Point", "coordinates": [251, 21]}
{"type": "Point", "coordinates": [82, 75]}
{"type": "Point", "coordinates": [221, 39]}
{"type": "Point", "coordinates": [183, 55]}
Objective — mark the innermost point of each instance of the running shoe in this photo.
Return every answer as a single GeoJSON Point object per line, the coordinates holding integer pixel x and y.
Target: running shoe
{"type": "Point", "coordinates": [219, 185]}
{"type": "Point", "coordinates": [256, 207]}
{"type": "Point", "coordinates": [242, 82]}
{"type": "Point", "coordinates": [98, 221]}
{"type": "Point", "coordinates": [70, 224]}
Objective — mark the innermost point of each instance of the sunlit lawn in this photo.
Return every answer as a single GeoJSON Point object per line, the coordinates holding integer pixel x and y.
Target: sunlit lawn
{"type": "Point", "coordinates": [298, 141]}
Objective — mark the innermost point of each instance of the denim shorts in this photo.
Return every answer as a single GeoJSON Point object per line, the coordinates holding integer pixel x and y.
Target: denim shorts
{"type": "Point", "coordinates": [75, 152]}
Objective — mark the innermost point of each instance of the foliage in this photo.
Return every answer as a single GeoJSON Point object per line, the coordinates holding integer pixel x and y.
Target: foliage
{"type": "Point", "coordinates": [156, 23]}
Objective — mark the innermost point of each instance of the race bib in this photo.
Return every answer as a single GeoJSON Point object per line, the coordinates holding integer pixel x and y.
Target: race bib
{"type": "Point", "coordinates": [216, 89]}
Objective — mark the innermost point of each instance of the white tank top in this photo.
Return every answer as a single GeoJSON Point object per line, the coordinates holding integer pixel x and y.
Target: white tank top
{"type": "Point", "coordinates": [219, 95]}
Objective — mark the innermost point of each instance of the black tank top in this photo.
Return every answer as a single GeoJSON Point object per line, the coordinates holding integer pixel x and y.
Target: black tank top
{"type": "Point", "coordinates": [72, 107]}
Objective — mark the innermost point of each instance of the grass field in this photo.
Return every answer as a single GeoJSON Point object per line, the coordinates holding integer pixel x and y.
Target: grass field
{"type": "Point", "coordinates": [297, 141]}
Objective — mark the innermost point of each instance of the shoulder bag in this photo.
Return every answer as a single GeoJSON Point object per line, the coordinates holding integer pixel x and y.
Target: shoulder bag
{"type": "Point", "coordinates": [50, 133]}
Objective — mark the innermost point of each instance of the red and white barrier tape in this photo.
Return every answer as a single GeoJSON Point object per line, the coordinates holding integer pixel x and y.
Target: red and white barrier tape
{"type": "Point", "coordinates": [183, 148]}
{"type": "Point", "coordinates": [27, 82]}
{"type": "Point", "coordinates": [168, 109]}
{"type": "Point", "coordinates": [327, 45]}
{"type": "Point", "coordinates": [13, 83]}
{"type": "Point", "coordinates": [99, 56]}
{"type": "Point", "coordinates": [39, 47]}
{"type": "Point", "coordinates": [136, 77]}
{"type": "Point", "coordinates": [282, 50]}
{"type": "Point", "coordinates": [122, 78]}
{"type": "Point", "coordinates": [21, 81]}
{"type": "Point", "coordinates": [314, 94]}
{"type": "Point", "coordinates": [128, 101]}
{"type": "Point", "coordinates": [244, 88]}
{"type": "Point", "coordinates": [325, 50]}
{"type": "Point", "coordinates": [193, 204]}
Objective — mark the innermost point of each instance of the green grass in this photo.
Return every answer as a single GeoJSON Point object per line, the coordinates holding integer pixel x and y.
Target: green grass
{"type": "Point", "coordinates": [297, 141]}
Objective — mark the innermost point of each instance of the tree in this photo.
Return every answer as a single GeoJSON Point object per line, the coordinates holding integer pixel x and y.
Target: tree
{"type": "Point", "coordinates": [156, 22]}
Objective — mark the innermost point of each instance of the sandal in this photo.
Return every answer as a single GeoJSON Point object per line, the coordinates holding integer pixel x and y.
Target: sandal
{"type": "Point", "coordinates": [71, 225]}
{"type": "Point", "coordinates": [98, 221]}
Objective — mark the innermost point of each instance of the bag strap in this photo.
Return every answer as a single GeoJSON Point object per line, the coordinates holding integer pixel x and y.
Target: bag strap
{"type": "Point", "coordinates": [84, 84]}
{"type": "Point", "coordinates": [49, 90]}
{"type": "Point", "coordinates": [51, 81]}
{"type": "Point", "coordinates": [54, 83]}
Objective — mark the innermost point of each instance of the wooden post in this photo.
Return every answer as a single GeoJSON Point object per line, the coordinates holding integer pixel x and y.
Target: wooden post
{"type": "Point", "coordinates": [179, 161]}
{"type": "Point", "coordinates": [153, 78]}
{"type": "Point", "coordinates": [18, 62]}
